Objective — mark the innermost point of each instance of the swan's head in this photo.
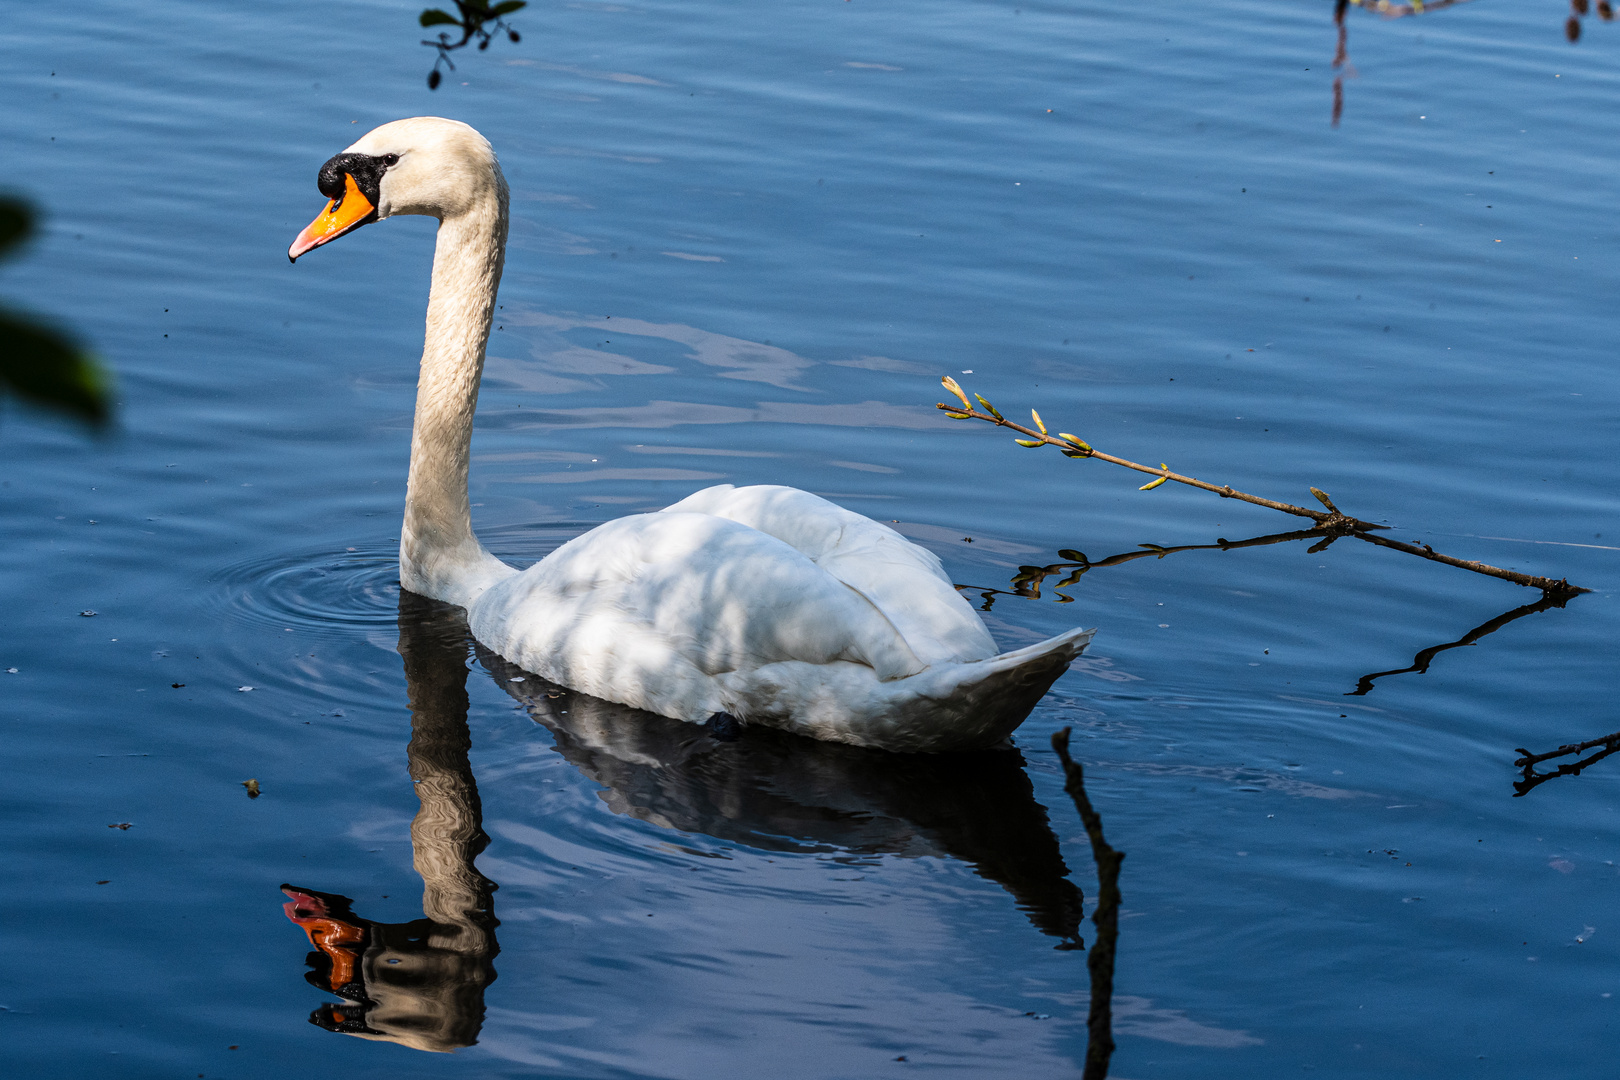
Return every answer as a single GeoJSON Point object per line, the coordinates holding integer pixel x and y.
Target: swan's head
{"type": "Point", "coordinates": [425, 165]}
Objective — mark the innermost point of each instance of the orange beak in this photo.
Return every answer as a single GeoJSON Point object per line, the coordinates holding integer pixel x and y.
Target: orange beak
{"type": "Point", "coordinates": [340, 216]}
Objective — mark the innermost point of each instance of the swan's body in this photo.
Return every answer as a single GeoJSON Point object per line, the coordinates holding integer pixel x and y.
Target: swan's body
{"type": "Point", "coordinates": [766, 603]}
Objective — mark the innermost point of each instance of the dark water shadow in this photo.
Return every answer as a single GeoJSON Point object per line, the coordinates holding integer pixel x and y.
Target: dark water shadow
{"type": "Point", "coordinates": [774, 791]}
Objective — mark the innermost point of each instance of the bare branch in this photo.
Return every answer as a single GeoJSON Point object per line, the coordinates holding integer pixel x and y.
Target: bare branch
{"type": "Point", "coordinates": [1332, 522]}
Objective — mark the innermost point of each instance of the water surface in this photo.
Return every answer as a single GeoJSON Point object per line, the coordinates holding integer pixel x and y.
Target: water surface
{"type": "Point", "coordinates": [746, 243]}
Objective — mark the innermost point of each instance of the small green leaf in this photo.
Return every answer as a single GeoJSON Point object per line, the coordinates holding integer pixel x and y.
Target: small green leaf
{"type": "Point", "coordinates": [989, 408]}
{"type": "Point", "coordinates": [435, 17]}
{"type": "Point", "coordinates": [1038, 422]}
{"type": "Point", "coordinates": [954, 387]}
{"type": "Point", "coordinates": [1031, 443]}
{"type": "Point", "coordinates": [16, 222]}
{"type": "Point", "coordinates": [506, 7]}
{"type": "Point", "coordinates": [1151, 484]}
{"type": "Point", "coordinates": [1075, 453]}
{"type": "Point", "coordinates": [39, 365]}
{"type": "Point", "coordinates": [957, 415]}
{"type": "Point", "coordinates": [1074, 440]}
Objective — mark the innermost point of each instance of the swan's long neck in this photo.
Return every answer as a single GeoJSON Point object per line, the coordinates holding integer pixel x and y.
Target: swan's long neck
{"type": "Point", "coordinates": [439, 556]}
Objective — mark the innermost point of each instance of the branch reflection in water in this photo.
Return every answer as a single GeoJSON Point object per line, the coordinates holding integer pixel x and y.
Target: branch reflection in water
{"type": "Point", "coordinates": [1420, 662]}
{"type": "Point", "coordinates": [1527, 761]}
{"type": "Point", "coordinates": [1578, 10]}
{"type": "Point", "coordinates": [1028, 581]}
{"type": "Point", "coordinates": [421, 984]}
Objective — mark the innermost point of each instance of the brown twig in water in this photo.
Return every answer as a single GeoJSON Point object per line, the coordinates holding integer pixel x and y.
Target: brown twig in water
{"type": "Point", "coordinates": [1333, 522]}
{"type": "Point", "coordinates": [1100, 961]}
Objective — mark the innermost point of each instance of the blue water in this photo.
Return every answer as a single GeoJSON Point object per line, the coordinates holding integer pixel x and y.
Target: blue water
{"type": "Point", "coordinates": [1141, 221]}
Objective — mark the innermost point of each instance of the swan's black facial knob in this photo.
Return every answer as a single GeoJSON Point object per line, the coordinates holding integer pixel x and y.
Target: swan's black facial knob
{"type": "Point", "coordinates": [366, 170]}
{"type": "Point", "coordinates": [353, 183]}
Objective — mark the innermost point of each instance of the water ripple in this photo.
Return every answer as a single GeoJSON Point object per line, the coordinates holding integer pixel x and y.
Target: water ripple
{"type": "Point", "coordinates": [317, 591]}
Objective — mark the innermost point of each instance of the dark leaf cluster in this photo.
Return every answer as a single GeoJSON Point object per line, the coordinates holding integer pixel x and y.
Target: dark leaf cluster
{"type": "Point", "coordinates": [477, 20]}
{"type": "Point", "coordinates": [37, 363]}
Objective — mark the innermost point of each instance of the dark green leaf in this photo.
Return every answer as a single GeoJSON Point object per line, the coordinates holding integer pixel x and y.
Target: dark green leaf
{"type": "Point", "coordinates": [16, 222]}
{"type": "Point", "coordinates": [41, 366]}
{"type": "Point", "coordinates": [506, 7]}
{"type": "Point", "coordinates": [435, 17]}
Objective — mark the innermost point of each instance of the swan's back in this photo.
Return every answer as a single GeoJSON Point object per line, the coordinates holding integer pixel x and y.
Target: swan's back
{"type": "Point", "coordinates": [902, 580]}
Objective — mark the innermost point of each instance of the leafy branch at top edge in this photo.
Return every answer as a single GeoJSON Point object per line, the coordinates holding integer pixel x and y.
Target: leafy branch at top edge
{"type": "Point", "coordinates": [477, 20]}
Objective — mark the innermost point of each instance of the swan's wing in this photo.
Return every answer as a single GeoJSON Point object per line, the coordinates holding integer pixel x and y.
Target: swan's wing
{"type": "Point", "coordinates": [650, 609]}
{"type": "Point", "coordinates": [905, 582]}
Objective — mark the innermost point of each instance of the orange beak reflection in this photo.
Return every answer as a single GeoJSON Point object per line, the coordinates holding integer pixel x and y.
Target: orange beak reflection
{"type": "Point", "coordinates": [340, 216]}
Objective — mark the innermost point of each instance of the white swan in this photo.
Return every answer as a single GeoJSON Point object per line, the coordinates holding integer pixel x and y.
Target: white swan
{"type": "Point", "coordinates": [768, 604]}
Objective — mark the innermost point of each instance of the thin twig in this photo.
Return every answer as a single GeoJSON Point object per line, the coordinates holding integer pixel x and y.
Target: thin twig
{"type": "Point", "coordinates": [1100, 961]}
{"type": "Point", "coordinates": [1333, 521]}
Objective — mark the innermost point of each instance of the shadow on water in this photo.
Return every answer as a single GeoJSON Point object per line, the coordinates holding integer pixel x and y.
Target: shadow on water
{"type": "Point", "coordinates": [421, 984]}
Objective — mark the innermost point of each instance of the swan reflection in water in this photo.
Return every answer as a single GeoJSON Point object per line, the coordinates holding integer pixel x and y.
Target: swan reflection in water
{"type": "Point", "coordinates": [421, 984]}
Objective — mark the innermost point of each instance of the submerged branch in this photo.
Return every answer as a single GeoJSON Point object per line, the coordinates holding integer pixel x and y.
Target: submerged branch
{"type": "Point", "coordinates": [1333, 523]}
{"type": "Point", "coordinates": [1100, 961]}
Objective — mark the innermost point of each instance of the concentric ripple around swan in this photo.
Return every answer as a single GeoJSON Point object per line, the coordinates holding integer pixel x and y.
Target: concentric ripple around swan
{"type": "Point", "coordinates": [320, 591]}
{"type": "Point", "coordinates": [356, 590]}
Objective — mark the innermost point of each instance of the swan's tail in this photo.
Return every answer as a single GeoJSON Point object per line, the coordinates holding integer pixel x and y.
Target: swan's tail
{"type": "Point", "coordinates": [964, 706]}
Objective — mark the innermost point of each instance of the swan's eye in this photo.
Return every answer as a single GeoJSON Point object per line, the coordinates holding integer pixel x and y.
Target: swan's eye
{"type": "Point", "coordinates": [390, 160]}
